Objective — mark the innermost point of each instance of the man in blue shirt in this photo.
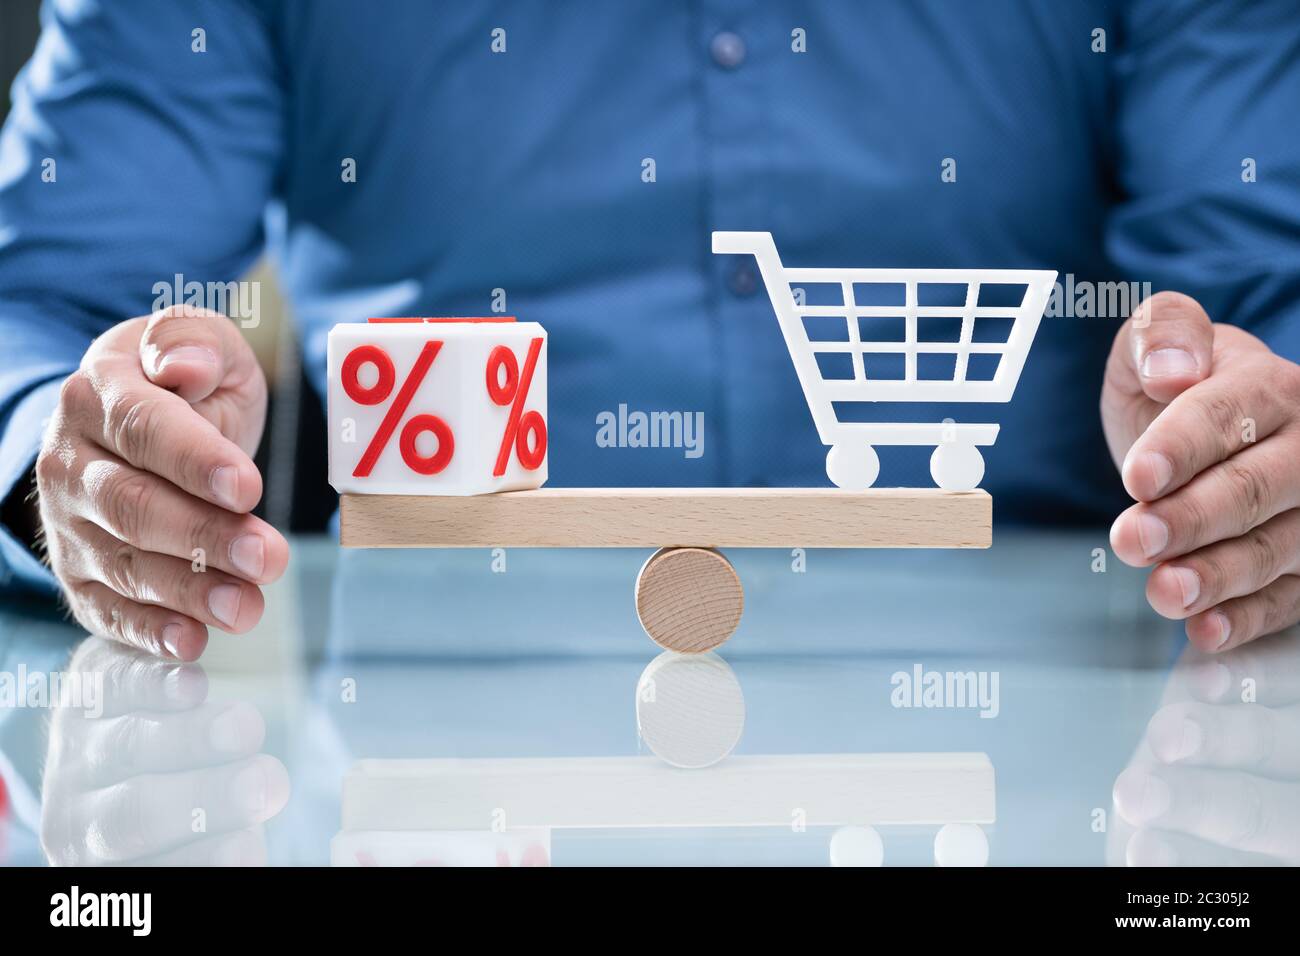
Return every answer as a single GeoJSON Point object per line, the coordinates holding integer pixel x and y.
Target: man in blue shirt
{"type": "Point", "coordinates": [572, 159]}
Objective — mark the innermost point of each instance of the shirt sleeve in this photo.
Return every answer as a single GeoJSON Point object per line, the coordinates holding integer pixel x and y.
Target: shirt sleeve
{"type": "Point", "coordinates": [142, 146]}
{"type": "Point", "coordinates": [1207, 96]}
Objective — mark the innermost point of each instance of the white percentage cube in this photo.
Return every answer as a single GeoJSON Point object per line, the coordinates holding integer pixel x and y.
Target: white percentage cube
{"type": "Point", "coordinates": [437, 406]}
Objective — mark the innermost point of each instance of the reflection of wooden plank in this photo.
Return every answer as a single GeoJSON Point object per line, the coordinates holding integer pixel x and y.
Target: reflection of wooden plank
{"type": "Point", "coordinates": [830, 789]}
{"type": "Point", "coordinates": [659, 517]}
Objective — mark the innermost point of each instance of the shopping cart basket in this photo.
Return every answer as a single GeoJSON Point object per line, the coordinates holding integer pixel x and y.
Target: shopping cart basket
{"type": "Point", "coordinates": [975, 353]}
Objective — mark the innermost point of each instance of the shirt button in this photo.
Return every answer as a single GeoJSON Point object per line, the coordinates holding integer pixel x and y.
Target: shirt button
{"type": "Point", "coordinates": [743, 281]}
{"type": "Point", "coordinates": [728, 50]}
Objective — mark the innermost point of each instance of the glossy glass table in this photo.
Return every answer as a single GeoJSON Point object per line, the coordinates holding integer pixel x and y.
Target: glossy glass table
{"type": "Point", "coordinates": [465, 707]}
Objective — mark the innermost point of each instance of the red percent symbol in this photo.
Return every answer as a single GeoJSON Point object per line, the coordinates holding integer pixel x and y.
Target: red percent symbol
{"type": "Point", "coordinates": [514, 389]}
{"type": "Point", "coordinates": [379, 392]}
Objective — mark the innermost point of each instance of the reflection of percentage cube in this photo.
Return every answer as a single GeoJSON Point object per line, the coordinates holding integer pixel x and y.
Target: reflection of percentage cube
{"type": "Point", "coordinates": [437, 406]}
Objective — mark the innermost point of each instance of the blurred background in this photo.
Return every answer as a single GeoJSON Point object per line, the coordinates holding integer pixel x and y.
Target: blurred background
{"type": "Point", "coordinates": [293, 452]}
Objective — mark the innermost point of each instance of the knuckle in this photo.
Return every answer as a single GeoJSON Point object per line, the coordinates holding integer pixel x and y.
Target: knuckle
{"type": "Point", "coordinates": [1275, 605]}
{"type": "Point", "coordinates": [48, 467]}
{"type": "Point", "coordinates": [1192, 522]}
{"type": "Point", "coordinates": [57, 837]}
{"type": "Point", "coordinates": [1223, 417]}
{"type": "Point", "coordinates": [1287, 381]}
{"type": "Point", "coordinates": [121, 570]}
{"type": "Point", "coordinates": [1265, 554]}
{"type": "Point", "coordinates": [127, 502]}
{"type": "Point", "coordinates": [1248, 492]}
{"type": "Point", "coordinates": [187, 461]}
{"type": "Point", "coordinates": [133, 427]}
{"type": "Point", "coordinates": [207, 531]}
{"type": "Point", "coordinates": [76, 390]}
{"type": "Point", "coordinates": [190, 591]}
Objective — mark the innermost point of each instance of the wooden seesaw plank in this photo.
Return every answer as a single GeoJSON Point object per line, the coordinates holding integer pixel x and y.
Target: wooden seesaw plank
{"type": "Point", "coordinates": [600, 792]}
{"type": "Point", "coordinates": [656, 517]}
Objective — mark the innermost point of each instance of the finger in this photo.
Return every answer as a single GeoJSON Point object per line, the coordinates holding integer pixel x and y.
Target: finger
{"type": "Point", "coordinates": [174, 354]}
{"type": "Point", "coordinates": [1264, 672]}
{"type": "Point", "coordinates": [153, 515]}
{"type": "Point", "coordinates": [1244, 402]}
{"type": "Point", "coordinates": [1165, 346]}
{"type": "Point", "coordinates": [155, 813]}
{"type": "Point", "coordinates": [1243, 619]}
{"type": "Point", "coordinates": [205, 594]}
{"type": "Point", "coordinates": [1225, 807]}
{"type": "Point", "coordinates": [156, 630]}
{"type": "Point", "coordinates": [133, 681]}
{"type": "Point", "coordinates": [241, 848]}
{"type": "Point", "coordinates": [1227, 569]}
{"type": "Point", "coordinates": [158, 432]}
{"type": "Point", "coordinates": [1168, 848]}
{"type": "Point", "coordinates": [189, 350]}
{"type": "Point", "coordinates": [119, 748]}
{"type": "Point", "coordinates": [1225, 501]}
{"type": "Point", "coordinates": [1234, 736]}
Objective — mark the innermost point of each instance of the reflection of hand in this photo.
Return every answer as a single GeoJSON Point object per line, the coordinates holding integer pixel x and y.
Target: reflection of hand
{"type": "Point", "coordinates": [1216, 778]}
{"type": "Point", "coordinates": [1202, 420]}
{"type": "Point", "coordinates": [161, 777]}
{"type": "Point", "coordinates": [146, 468]}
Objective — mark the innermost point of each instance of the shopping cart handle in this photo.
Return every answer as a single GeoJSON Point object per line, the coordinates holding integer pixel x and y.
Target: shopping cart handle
{"type": "Point", "coordinates": [755, 243]}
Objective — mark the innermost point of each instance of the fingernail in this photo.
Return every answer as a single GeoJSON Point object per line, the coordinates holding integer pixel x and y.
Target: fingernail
{"type": "Point", "coordinates": [1161, 468]}
{"type": "Point", "coordinates": [225, 485]}
{"type": "Point", "coordinates": [250, 790]}
{"type": "Point", "coordinates": [229, 731]}
{"type": "Point", "coordinates": [1153, 535]}
{"type": "Point", "coordinates": [187, 353]}
{"type": "Point", "coordinates": [248, 555]}
{"type": "Point", "coordinates": [1164, 362]}
{"type": "Point", "coordinates": [171, 638]}
{"type": "Point", "coordinates": [1141, 797]}
{"type": "Point", "coordinates": [1225, 629]}
{"type": "Point", "coordinates": [223, 602]}
{"type": "Point", "coordinates": [1189, 582]}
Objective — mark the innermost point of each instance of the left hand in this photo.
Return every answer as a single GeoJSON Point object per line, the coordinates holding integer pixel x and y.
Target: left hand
{"type": "Point", "coordinates": [1204, 423]}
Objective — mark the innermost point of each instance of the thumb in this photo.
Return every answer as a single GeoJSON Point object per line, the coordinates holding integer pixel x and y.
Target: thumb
{"type": "Point", "coordinates": [1170, 344]}
{"type": "Point", "coordinates": [191, 351]}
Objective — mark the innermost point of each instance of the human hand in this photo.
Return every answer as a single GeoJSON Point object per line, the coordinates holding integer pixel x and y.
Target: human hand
{"type": "Point", "coordinates": [154, 773]}
{"type": "Point", "coordinates": [1204, 423]}
{"type": "Point", "coordinates": [1215, 779]}
{"type": "Point", "coordinates": [145, 481]}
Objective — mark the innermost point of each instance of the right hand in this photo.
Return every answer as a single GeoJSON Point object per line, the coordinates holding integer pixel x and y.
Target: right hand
{"type": "Point", "coordinates": [1215, 780]}
{"type": "Point", "coordinates": [146, 479]}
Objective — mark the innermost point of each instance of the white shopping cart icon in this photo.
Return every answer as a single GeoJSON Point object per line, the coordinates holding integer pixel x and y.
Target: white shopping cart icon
{"type": "Point", "coordinates": [948, 351]}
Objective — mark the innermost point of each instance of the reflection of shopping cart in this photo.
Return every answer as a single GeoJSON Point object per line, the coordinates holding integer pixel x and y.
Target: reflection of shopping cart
{"type": "Point", "coordinates": [901, 335]}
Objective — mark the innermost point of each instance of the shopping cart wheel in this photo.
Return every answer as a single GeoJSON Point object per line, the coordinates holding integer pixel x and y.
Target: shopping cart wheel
{"type": "Point", "coordinates": [961, 844]}
{"type": "Point", "coordinates": [957, 467]}
{"type": "Point", "coordinates": [853, 467]}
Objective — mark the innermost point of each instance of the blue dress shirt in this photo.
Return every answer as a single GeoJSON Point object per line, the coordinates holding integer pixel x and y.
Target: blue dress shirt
{"type": "Point", "coordinates": [574, 157]}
